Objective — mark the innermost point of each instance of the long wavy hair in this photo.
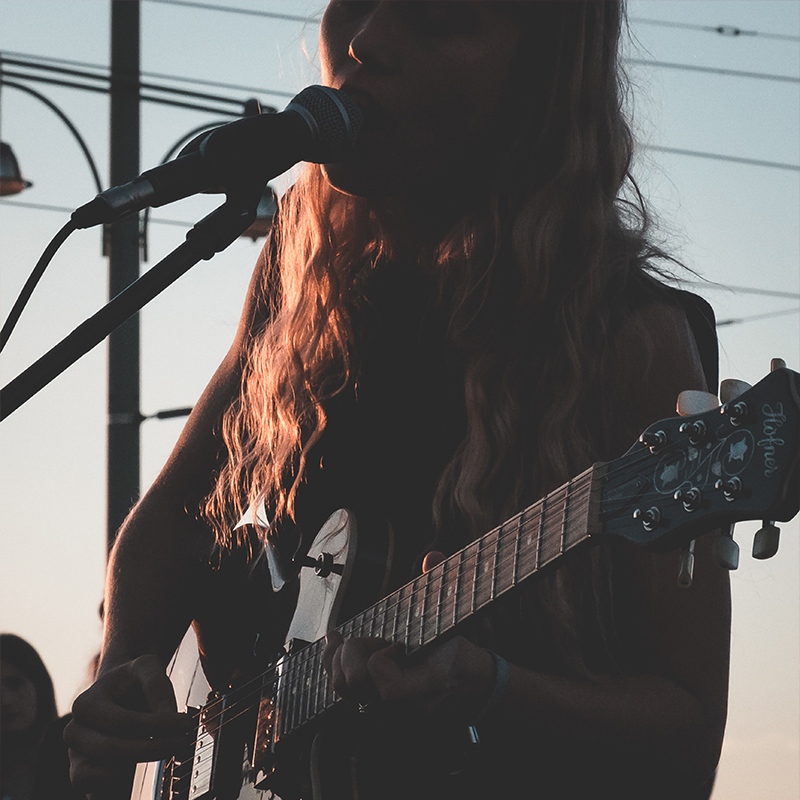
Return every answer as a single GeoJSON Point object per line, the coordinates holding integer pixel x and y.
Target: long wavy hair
{"type": "Point", "coordinates": [532, 278]}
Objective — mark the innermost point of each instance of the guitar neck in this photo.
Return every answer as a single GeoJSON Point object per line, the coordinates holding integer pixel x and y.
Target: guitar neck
{"type": "Point", "coordinates": [437, 601]}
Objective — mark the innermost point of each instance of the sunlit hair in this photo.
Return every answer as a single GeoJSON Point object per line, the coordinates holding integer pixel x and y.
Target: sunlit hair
{"type": "Point", "coordinates": [531, 279]}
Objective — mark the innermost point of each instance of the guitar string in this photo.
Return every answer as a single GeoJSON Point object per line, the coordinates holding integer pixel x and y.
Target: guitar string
{"type": "Point", "coordinates": [300, 660]}
{"type": "Point", "coordinates": [298, 663]}
{"type": "Point", "coordinates": [203, 772]}
{"type": "Point", "coordinates": [532, 521]}
{"type": "Point", "coordinates": [297, 667]}
{"type": "Point", "coordinates": [293, 668]}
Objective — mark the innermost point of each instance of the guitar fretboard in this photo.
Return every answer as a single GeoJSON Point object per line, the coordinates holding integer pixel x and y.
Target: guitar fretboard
{"type": "Point", "coordinates": [447, 595]}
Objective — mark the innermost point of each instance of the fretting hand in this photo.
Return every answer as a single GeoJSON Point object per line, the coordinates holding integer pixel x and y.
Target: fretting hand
{"type": "Point", "coordinates": [454, 678]}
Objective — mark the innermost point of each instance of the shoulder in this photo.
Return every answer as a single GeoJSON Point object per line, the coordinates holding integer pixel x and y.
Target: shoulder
{"type": "Point", "coordinates": [674, 315]}
{"type": "Point", "coordinates": [655, 356]}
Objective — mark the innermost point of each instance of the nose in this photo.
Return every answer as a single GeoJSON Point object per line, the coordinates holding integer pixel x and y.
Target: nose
{"type": "Point", "coordinates": [374, 44]}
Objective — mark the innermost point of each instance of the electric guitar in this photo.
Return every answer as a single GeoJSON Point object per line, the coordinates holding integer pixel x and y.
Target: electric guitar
{"type": "Point", "coordinates": [684, 477]}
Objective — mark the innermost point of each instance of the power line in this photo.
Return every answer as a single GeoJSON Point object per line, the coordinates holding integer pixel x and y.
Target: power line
{"type": "Point", "coordinates": [30, 61]}
{"type": "Point", "coordinates": [736, 320]}
{"type": "Point", "coordinates": [68, 210]}
{"type": "Point", "coordinates": [105, 90]}
{"type": "Point", "coordinates": [736, 73]}
{"type": "Point", "coordinates": [698, 284]}
{"type": "Point", "coordinates": [742, 289]}
{"type": "Point", "coordinates": [722, 30]}
{"type": "Point", "coordinates": [232, 10]}
{"type": "Point", "coordinates": [755, 162]}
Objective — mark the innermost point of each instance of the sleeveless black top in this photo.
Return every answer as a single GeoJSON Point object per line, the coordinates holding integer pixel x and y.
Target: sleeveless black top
{"type": "Point", "coordinates": [389, 436]}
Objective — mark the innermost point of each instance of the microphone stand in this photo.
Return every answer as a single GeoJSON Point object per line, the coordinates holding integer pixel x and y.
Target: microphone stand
{"type": "Point", "coordinates": [209, 236]}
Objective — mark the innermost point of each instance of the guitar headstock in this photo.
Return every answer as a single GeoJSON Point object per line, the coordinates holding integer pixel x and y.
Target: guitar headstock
{"type": "Point", "coordinates": [688, 475]}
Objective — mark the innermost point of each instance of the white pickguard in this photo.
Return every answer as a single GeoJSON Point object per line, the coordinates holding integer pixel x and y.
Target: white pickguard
{"type": "Point", "coordinates": [317, 603]}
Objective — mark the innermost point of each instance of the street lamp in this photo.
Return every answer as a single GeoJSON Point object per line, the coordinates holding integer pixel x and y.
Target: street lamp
{"type": "Point", "coordinates": [11, 180]}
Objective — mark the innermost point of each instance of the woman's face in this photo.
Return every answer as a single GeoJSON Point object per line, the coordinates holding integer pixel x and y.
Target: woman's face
{"type": "Point", "coordinates": [431, 79]}
{"type": "Point", "coordinates": [18, 704]}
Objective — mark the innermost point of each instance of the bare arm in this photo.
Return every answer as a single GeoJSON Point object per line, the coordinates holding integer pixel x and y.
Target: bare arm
{"type": "Point", "coordinates": [157, 572]}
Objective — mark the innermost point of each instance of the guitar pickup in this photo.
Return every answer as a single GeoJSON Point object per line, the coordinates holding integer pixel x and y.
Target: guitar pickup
{"type": "Point", "coordinates": [200, 783]}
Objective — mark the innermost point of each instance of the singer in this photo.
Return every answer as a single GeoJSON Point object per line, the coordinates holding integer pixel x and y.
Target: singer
{"type": "Point", "coordinates": [459, 317]}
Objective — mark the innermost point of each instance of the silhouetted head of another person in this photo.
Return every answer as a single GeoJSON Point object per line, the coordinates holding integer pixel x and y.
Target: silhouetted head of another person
{"type": "Point", "coordinates": [28, 701]}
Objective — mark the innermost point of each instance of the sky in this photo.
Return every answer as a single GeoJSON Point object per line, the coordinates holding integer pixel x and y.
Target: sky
{"type": "Point", "coordinates": [735, 224]}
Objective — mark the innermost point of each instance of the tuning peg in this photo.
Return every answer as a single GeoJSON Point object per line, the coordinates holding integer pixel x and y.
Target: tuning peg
{"type": "Point", "coordinates": [726, 550]}
{"type": "Point", "coordinates": [686, 569]}
{"type": "Point", "coordinates": [730, 389]}
{"type": "Point", "coordinates": [692, 402]}
{"type": "Point", "coordinates": [765, 542]}
{"type": "Point", "coordinates": [777, 363]}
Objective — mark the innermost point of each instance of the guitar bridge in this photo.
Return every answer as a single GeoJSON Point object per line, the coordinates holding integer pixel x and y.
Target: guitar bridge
{"type": "Point", "coordinates": [176, 774]}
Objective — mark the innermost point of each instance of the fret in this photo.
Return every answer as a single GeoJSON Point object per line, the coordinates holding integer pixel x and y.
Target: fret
{"type": "Point", "coordinates": [567, 490]}
{"type": "Point", "coordinates": [422, 608]}
{"type": "Point", "coordinates": [311, 688]}
{"type": "Point", "coordinates": [395, 598]}
{"type": "Point", "coordinates": [406, 610]}
{"type": "Point", "coordinates": [540, 533]}
{"type": "Point", "coordinates": [583, 502]}
{"type": "Point", "coordinates": [302, 664]}
{"type": "Point", "coordinates": [496, 563]}
{"type": "Point", "coordinates": [291, 692]}
{"type": "Point", "coordinates": [473, 584]}
{"type": "Point", "coordinates": [432, 607]}
{"type": "Point", "coordinates": [361, 627]}
{"type": "Point", "coordinates": [298, 690]}
{"type": "Point", "coordinates": [448, 592]}
{"type": "Point", "coordinates": [465, 600]}
{"type": "Point", "coordinates": [280, 699]}
{"type": "Point", "coordinates": [309, 684]}
{"type": "Point", "coordinates": [456, 586]}
{"type": "Point", "coordinates": [317, 676]}
{"type": "Point", "coordinates": [504, 558]}
{"type": "Point", "coordinates": [417, 598]}
{"type": "Point", "coordinates": [551, 537]}
{"type": "Point", "coordinates": [321, 680]}
{"type": "Point", "coordinates": [300, 694]}
{"type": "Point", "coordinates": [517, 545]}
{"type": "Point", "coordinates": [484, 569]}
{"type": "Point", "coordinates": [439, 584]}
{"type": "Point", "coordinates": [369, 621]}
{"type": "Point", "coordinates": [379, 619]}
{"type": "Point", "coordinates": [530, 538]}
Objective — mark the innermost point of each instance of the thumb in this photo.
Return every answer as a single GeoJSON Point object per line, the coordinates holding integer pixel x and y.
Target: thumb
{"type": "Point", "coordinates": [432, 559]}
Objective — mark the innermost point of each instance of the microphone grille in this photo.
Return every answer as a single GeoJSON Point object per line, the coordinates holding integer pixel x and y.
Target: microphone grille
{"type": "Point", "coordinates": [334, 120]}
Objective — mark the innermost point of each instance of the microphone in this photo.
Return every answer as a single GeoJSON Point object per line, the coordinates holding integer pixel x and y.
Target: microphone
{"type": "Point", "coordinates": [319, 125]}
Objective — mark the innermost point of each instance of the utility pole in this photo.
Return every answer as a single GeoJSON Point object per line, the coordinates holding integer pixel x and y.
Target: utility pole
{"type": "Point", "coordinates": [123, 268]}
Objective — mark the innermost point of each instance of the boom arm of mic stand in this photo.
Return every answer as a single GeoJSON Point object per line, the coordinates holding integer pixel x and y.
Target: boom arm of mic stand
{"type": "Point", "coordinates": [211, 235]}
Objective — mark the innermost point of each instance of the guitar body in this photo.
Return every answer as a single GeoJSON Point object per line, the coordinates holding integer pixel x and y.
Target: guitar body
{"type": "Point", "coordinates": [349, 573]}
